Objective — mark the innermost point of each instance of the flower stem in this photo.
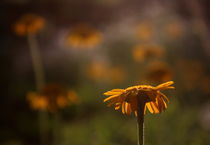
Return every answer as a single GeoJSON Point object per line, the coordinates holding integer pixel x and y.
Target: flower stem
{"type": "Point", "coordinates": [43, 123]}
{"type": "Point", "coordinates": [56, 128]}
{"type": "Point", "coordinates": [36, 61]}
{"type": "Point", "coordinates": [140, 120]}
{"type": "Point", "coordinates": [40, 82]}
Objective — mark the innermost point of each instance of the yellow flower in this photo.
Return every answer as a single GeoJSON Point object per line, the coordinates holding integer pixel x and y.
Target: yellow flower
{"type": "Point", "coordinates": [84, 36]}
{"type": "Point", "coordinates": [73, 97]}
{"type": "Point", "coordinates": [142, 52]}
{"type": "Point", "coordinates": [159, 72]}
{"type": "Point", "coordinates": [97, 71]}
{"type": "Point", "coordinates": [37, 102]}
{"type": "Point", "coordinates": [127, 99]}
{"type": "Point", "coordinates": [51, 98]}
{"type": "Point", "coordinates": [145, 31]}
{"type": "Point", "coordinates": [29, 24]}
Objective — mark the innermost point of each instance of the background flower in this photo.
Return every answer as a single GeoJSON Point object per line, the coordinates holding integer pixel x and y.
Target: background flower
{"type": "Point", "coordinates": [52, 98]}
{"type": "Point", "coordinates": [29, 24]}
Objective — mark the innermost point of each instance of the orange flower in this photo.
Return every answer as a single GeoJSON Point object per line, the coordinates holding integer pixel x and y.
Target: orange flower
{"type": "Point", "coordinates": [37, 102]}
{"type": "Point", "coordinates": [51, 98]}
{"type": "Point", "coordinates": [145, 31]}
{"type": "Point", "coordinates": [159, 72]}
{"type": "Point", "coordinates": [127, 99]}
{"type": "Point", "coordinates": [142, 52]}
{"type": "Point", "coordinates": [84, 36]}
{"type": "Point", "coordinates": [29, 24]}
{"type": "Point", "coordinates": [97, 71]}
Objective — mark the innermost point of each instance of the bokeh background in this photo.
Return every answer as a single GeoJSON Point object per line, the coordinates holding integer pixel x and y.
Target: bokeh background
{"type": "Point", "coordinates": [87, 47]}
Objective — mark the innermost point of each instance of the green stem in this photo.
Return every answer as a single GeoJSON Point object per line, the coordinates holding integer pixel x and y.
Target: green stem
{"type": "Point", "coordinates": [40, 82]}
{"type": "Point", "coordinates": [56, 132]}
{"type": "Point", "coordinates": [140, 120]}
{"type": "Point", "coordinates": [36, 61]}
{"type": "Point", "coordinates": [43, 122]}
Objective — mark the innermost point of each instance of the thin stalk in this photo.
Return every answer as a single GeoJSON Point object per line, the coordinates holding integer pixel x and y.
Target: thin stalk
{"type": "Point", "coordinates": [40, 82]}
{"type": "Point", "coordinates": [43, 123]}
{"type": "Point", "coordinates": [36, 61]}
{"type": "Point", "coordinates": [56, 132]}
{"type": "Point", "coordinates": [140, 120]}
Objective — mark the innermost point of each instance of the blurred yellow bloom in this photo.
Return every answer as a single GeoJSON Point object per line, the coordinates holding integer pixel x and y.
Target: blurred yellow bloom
{"type": "Point", "coordinates": [29, 24]}
{"type": "Point", "coordinates": [84, 36]}
{"type": "Point", "coordinates": [145, 31]}
{"type": "Point", "coordinates": [97, 71]}
{"type": "Point", "coordinates": [127, 99]}
{"type": "Point", "coordinates": [102, 72]}
{"type": "Point", "coordinates": [142, 52]}
{"type": "Point", "coordinates": [116, 75]}
{"type": "Point", "coordinates": [51, 98]}
{"type": "Point", "coordinates": [174, 29]}
{"type": "Point", "coordinates": [73, 97]}
{"type": "Point", "coordinates": [37, 102]}
{"type": "Point", "coordinates": [159, 72]}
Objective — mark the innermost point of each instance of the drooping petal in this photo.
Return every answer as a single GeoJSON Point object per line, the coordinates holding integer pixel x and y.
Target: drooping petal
{"type": "Point", "coordinates": [126, 108]}
{"type": "Point", "coordinates": [149, 107]}
{"type": "Point", "coordinates": [145, 109]}
{"type": "Point", "coordinates": [163, 96]}
{"type": "Point", "coordinates": [155, 107]}
{"type": "Point", "coordinates": [112, 101]}
{"type": "Point", "coordinates": [160, 104]}
{"type": "Point", "coordinates": [165, 104]}
{"type": "Point", "coordinates": [113, 92]}
{"type": "Point", "coordinates": [123, 107]}
{"type": "Point", "coordinates": [117, 107]}
{"type": "Point", "coordinates": [129, 109]}
{"type": "Point", "coordinates": [164, 86]}
{"type": "Point", "coordinates": [111, 97]}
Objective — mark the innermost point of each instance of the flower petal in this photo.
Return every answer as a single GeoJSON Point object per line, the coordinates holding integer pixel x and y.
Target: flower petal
{"type": "Point", "coordinates": [111, 97]}
{"type": "Point", "coordinates": [149, 107]}
{"type": "Point", "coordinates": [163, 96]}
{"type": "Point", "coordinates": [164, 86]}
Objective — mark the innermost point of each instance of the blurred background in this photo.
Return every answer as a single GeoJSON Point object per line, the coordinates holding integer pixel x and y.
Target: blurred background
{"type": "Point", "coordinates": [58, 57]}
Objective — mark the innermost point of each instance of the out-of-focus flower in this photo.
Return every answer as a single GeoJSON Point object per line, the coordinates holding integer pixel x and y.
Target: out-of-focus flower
{"type": "Point", "coordinates": [174, 30]}
{"type": "Point", "coordinates": [145, 31]}
{"type": "Point", "coordinates": [159, 72]}
{"type": "Point", "coordinates": [37, 102]}
{"type": "Point", "coordinates": [51, 98]}
{"type": "Point", "coordinates": [97, 71]}
{"type": "Point", "coordinates": [29, 24]}
{"type": "Point", "coordinates": [128, 98]}
{"type": "Point", "coordinates": [117, 75]}
{"type": "Point", "coordinates": [102, 72]}
{"type": "Point", "coordinates": [142, 52]}
{"type": "Point", "coordinates": [84, 36]}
